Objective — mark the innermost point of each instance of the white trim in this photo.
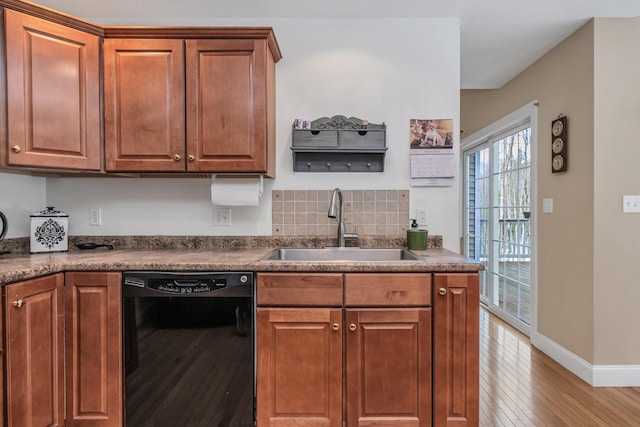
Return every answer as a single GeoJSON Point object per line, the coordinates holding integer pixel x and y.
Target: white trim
{"type": "Point", "coordinates": [521, 115]}
{"type": "Point", "coordinates": [511, 320]}
{"type": "Point", "coordinates": [594, 375]}
{"type": "Point", "coordinates": [616, 376]}
{"type": "Point", "coordinates": [527, 114]}
{"type": "Point", "coordinates": [533, 315]}
{"type": "Point", "coordinates": [575, 364]}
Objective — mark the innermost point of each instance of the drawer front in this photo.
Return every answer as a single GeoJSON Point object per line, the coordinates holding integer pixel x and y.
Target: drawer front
{"type": "Point", "coordinates": [306, 289]}
{"type": "Point", "coordinates": [388, 289]}
{"type": "Point", "coordinates": [362, 138]}
{"type": "Point", "coordinates": [315, 138]}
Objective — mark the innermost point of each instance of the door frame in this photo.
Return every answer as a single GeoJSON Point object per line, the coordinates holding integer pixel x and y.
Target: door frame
{"type": "Point", "coordinates": [527, 113]}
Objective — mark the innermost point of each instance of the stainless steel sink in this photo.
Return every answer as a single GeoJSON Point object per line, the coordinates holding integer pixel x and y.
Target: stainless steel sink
{"type": "Point", "coordinates": [341, 254]}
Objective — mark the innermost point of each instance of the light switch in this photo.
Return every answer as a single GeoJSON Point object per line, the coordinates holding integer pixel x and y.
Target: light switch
{"type": "Point", "coordinates": [547, 205]}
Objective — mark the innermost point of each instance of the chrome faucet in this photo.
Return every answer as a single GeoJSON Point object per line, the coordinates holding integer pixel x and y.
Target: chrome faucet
{"type": "Point", "coordinates": [336, 197]}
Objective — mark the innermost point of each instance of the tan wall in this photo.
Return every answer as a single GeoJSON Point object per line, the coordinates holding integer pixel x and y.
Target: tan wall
{"type": "Point", "coordinates": [616, 172]}
{"type": "Point", "coordinates": [562, 82]}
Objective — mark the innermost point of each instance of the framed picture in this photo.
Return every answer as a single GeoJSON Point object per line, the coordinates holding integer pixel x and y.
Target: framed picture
{"type": "Point", "coordinates": [427, 134]}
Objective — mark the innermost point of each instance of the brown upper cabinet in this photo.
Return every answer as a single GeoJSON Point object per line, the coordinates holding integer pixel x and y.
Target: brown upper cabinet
{"type": "Point", "coordinates": [52, 98]}
{"type": "Point", "coordinates": [175, 99]}
{"type": "Point", "coordinates": [144, 105]}
{"type": "Point", "coordinates": [180, 99]}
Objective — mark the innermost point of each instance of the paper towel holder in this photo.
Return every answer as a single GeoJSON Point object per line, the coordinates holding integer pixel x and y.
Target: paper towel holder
{"type": "Point", "coordinates": [261, 177]}
{"type": "Point", "coordinates": [234, 190]}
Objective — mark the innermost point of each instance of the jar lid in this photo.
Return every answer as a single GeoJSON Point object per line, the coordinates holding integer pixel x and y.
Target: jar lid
{"type": "Point", "coordinates": [49, 212]}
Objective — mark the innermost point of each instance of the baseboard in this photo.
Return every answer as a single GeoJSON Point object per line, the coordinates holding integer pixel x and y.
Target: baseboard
{"type": "Point", "coordinates": [594, 375]}
{"type": "Point", "coordinates": [575, 364]}
{"type": "Point", "coordinates": [616, 376]}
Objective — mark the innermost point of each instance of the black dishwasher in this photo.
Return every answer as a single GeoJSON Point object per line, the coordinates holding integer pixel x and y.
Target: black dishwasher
{"type": "Point", "coordinates": [188, 349]}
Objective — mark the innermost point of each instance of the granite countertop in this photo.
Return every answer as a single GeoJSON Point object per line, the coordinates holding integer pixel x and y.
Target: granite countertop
{"type": "Point", "coordinates": [19, 267]}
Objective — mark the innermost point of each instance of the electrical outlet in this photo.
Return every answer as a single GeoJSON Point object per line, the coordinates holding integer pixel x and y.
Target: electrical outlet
{"type": "Point", "coordinates": [631, 204]}
{"type": "Point", "coordinates": [422, 216]}
{"type": "Point", "coordinates": [221, 216]}
{"type": "Point", "coordinates": [95, 216]}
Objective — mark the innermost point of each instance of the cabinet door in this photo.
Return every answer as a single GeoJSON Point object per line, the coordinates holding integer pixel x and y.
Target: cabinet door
{"type": "Point", "coordinates": [93, 350]}
{"type": "Point", "coordinates": [388, 367]}
{"type": "Point", "coordinates": [53, 94]}
{"type": "Point", "coordinates": [456, 308]}
{"type": "Point", "coordinates": [230, 107]}
{"type": "Point", "coordinates": [144, 105]}
{"type": "Point", "coordinates": [35, 351]}
{"type": "Point", "coordinates": [299, 367]}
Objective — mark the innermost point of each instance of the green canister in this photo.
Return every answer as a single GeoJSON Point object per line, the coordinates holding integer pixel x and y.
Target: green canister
{"type": "Point", "coordinates": [416, 239]}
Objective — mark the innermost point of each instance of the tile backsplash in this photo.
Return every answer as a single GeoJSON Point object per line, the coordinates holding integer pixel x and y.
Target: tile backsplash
{"type": "Point", "coordinates": [373, 212]}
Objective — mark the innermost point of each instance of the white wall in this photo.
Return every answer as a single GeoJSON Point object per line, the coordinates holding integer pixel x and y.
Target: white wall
{"type": "Point", "coordinates": [20, 196]}
{"type": "Point", "coordinates": [381, 70]}
{"type": "Point", "coordinates": [390, 71]}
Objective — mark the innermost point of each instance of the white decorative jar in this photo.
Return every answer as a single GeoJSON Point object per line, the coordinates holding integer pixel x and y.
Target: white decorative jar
{"type": "Point", "coordinates": [49, 231]}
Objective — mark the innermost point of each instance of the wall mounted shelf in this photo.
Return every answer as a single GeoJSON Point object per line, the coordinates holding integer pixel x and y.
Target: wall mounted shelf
{"type": "Point", "coordinates": [339, 144]}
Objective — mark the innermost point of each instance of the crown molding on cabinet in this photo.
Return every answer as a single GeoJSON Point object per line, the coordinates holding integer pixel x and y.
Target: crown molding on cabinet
{"type": "Point", "coordinates": [53, 16]}
{"type": "Point", "coordinates": [180, 32]}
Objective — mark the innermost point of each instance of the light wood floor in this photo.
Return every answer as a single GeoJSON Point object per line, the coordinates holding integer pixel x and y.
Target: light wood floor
{"type": "Point", "coordinates": [521, 386]}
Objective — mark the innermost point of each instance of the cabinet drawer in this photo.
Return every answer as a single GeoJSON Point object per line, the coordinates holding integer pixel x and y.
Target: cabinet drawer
{"type": "Point", "coordinates": [388, 289]}
{"type": "Point", "coordinates": [315, 138]}
{"type": "Point", "coordinates": [362, 138]}
{"type": "Point", "coordinates": [312, 289]}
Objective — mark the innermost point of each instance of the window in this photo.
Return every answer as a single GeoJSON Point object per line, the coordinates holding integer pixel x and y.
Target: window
{"type": "Point", "coordinates": [499, 190]}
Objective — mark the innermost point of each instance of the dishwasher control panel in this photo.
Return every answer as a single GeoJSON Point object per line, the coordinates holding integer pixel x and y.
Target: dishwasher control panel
{"type": "Point", "coordinates": [186, 283]}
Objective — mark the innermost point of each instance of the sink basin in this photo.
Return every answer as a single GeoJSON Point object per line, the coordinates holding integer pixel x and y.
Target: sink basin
{"type": "Point", "coordinates": [341, 254]}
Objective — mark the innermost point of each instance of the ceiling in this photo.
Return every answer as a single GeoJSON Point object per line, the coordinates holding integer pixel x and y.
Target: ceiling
{"type": "Point", "coordinates": [498, 38]}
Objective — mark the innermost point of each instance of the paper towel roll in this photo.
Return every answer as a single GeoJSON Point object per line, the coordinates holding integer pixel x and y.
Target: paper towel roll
{"type": "Point", "coordinates": [236, 191]}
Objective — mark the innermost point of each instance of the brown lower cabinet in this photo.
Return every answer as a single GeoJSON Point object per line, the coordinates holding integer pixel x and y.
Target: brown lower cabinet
{"type": "Point", "coordinates": [456, 329]}
{"type": "Point", "coordinates": [34, 325]}
{"type": "Point", "coordinates": [365, 361]}
{"type": "Point", "coordinates": [63, 344]}
{"type": "Point", "coordinates": [387, 349]}
{"type": "Point", "coordinates": [300, 374]}
{"type": "Point", "coordinates": [93, 349]}
{"type": "Point", "coordinates": [388, 361]}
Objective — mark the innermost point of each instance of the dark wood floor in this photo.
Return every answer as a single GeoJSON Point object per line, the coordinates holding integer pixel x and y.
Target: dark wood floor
{"type": "Point", "coordinates": [521, 386]}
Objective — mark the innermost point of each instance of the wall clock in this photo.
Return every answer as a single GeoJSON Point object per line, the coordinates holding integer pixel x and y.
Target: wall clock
{"type": "Point", "coordinates": [559, 144]}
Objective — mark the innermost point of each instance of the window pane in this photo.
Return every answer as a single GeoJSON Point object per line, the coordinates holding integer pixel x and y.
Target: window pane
{"type": "Point", "coordinates": [524, 147]}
